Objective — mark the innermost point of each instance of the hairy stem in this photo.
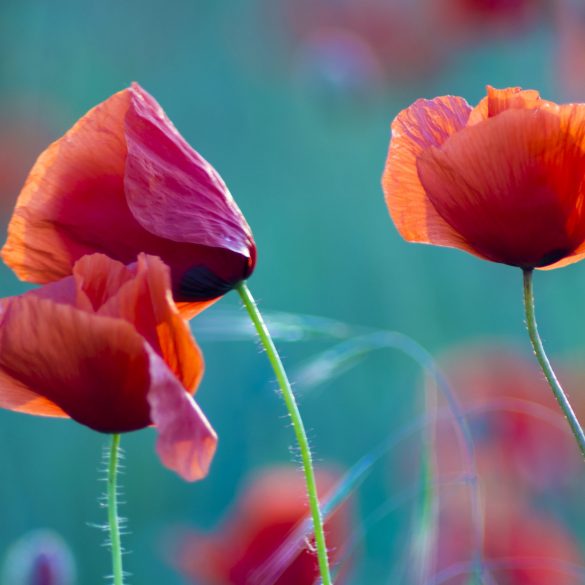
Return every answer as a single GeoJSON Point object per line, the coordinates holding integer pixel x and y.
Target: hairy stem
{"type": "Point", "coordinates": [117, 572]}
{"type": "Point", "coordinates": [544, 363]}
{"type": "Point", "coordinates": [299, 428]}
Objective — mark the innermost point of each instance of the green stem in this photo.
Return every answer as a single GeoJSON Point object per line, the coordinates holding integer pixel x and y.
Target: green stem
{"type": "Point", "coordinates": [118, 573]}
{"type": "Point", "coordinates": [549, 374]}
{"type": "Point", "coordinates": [298, 426]}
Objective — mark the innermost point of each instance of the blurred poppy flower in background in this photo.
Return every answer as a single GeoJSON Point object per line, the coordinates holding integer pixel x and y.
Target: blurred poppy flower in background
{"type": "Point", "coordinates": [502, 181]}
{"type": "Point", "coordinates": [368, 44]}
{"type": "Point", "coordinates": [521, 545]}
{"type": "Point", "coordinates": [520, 438]}
{"type": "Point", "coordinates": [252, 545]}
{"type": "Point", "coordinates": [40, 557]}
{"type": "Point", "coordinates": [570, 41]}
{"type": "Point", "coordinates": [123, 181]}
{"type": "Point", "coordinates": [108, 348]}
{"type": "Point", "coordinates": [338, 65]}
{"type": "Point", "coordinates": [467, 18]}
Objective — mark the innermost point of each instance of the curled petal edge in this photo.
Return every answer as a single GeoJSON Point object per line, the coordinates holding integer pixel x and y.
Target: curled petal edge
{"type": "Point", "coordinates": [186, 441]}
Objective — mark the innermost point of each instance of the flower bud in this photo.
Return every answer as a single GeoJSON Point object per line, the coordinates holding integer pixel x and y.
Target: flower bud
{"type": "Point", "coordinates": [40, 557]}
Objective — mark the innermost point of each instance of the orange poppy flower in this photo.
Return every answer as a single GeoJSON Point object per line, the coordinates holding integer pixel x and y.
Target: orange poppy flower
{"type": "Point", "coordinates": [108, 348]}
{"type": "Point", "coordinates": [123, 181]}
{"type": "Point", "coordinates": [252, 546]}
{"type": "Point", "coordinates": [502, 181]}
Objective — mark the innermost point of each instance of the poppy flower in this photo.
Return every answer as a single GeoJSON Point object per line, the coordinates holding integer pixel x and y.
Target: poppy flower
{"type": "Point", "coordinates": [520, 439]}
{"type": "Point", "coordinates": [252, 546]}
{"type": "Point", "coordinates": [465, 18]}
{"type": "Point", "coordinates": [502, 181]}
{"type": "Point", "coordinates": [122, 181]}
{"type": "Point", "coordinates": [570, 48]}
{"type": "Point", "coordinates": [108, 348]}
{"type": "Point", "coordinates": [521, 545]}
{"type": "Point", "coordinates": [361, 46]}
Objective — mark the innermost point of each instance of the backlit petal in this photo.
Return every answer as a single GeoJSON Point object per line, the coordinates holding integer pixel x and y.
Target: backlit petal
{"type": "Point", "coordinates": [186, 441]}
{"type": "Point", "coordinates": [188, 310]}
{"type": "Point", "coordinates": [96, 369]}
{"type": "Point", "coordinates": [98, 278]}
{"type": "Point", "coordinates": [425, 124]}
{"type": "Point", "coordinates": [172, 190]}
{"type": "Point", "coordinates": [499, 100]}
{"type": "Point", "coordinates": [123, 181]}
{"type": "Point", "coordinates": [16, 396]}
{"type": "Point", "coordinates": [73, 200]}
{"type": "Point", "coordinates": [146, 302]}
{"type": "Point", "coordinates": [512, 186]}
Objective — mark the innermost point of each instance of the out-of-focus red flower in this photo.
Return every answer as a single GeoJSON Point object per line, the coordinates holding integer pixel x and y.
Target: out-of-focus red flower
{"type": "Point", "coordinates": [468, 17]}
{"type": "Point", "coordinates": [108, 348]}
{"type": "Point", "coordinates": [521, 546]}
{"type": "Point", "coordinates": [495, 7]}
{"type": "Point", "coordinates": [570, 40]}
{"type": "Point", "coordinates": [399, 38]}
{"type": "Point", "coordinates": [338, 65]}
{"type": "Point", "coordinates": [502, 181]}
{"type": "Point", "coordinates": [521, 447]}
{"type": "Point", "coordinates": [519, 436]}
{"type": "Point", "coordinates": [251, 547]}
{"type": "Point", "coordinates": [123, 181]}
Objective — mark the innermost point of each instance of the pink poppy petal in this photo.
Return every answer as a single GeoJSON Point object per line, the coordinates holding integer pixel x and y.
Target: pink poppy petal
{"type": "Point", "coordinates": [186, 441]}
{"type": "Point", "coordinates": [172, 190]}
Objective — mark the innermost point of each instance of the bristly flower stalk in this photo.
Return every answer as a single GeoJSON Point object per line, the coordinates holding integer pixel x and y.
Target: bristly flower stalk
{"type": "Point", "coordinates": [298, 426]}
{"type": "Point", "coordinates": [113, 519]}
{"type": "Point", "coordinates": [544, 363]}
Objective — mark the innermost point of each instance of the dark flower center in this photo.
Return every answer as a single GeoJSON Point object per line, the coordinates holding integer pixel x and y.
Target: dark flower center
{"type": "Point", "coordinates": [201, 284]}
{"type": "Point", "coordinates": [553, 256]}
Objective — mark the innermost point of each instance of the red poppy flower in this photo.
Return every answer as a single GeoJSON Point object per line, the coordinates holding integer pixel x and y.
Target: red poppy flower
{"type": "Point", "coordinates": [521, 546]}
{"type": "Point", "coordinates": [108, 348]}
{"type": "Point", "coordinates": [252, 545]}
{"type": "Point", "coordinates": [569, 64]}
{"type": "Point", "coordinates": [468, 17]}
{"type": "Point", "coordinates": [520, 438]}
{"type": "Point", "coordinates": [123, 181]}
{"type": "Point", "coordinates": [502, 181]}
{"type": "Point", "coordinates": [362, 45]}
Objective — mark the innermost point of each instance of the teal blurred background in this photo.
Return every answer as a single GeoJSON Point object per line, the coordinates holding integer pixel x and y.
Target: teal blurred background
{"type": "Point", "coordinates": [299, 130]}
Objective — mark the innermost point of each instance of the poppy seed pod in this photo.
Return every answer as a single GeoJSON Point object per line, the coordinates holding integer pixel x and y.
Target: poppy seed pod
{"type": "Point", "coordinates": [502, 181]}
{"type": "Point", "coordinates": [122, 181]}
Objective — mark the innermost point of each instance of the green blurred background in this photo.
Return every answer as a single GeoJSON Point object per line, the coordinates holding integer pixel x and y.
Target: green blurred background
{"type": "Point", "coordinates": [299, 130]}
